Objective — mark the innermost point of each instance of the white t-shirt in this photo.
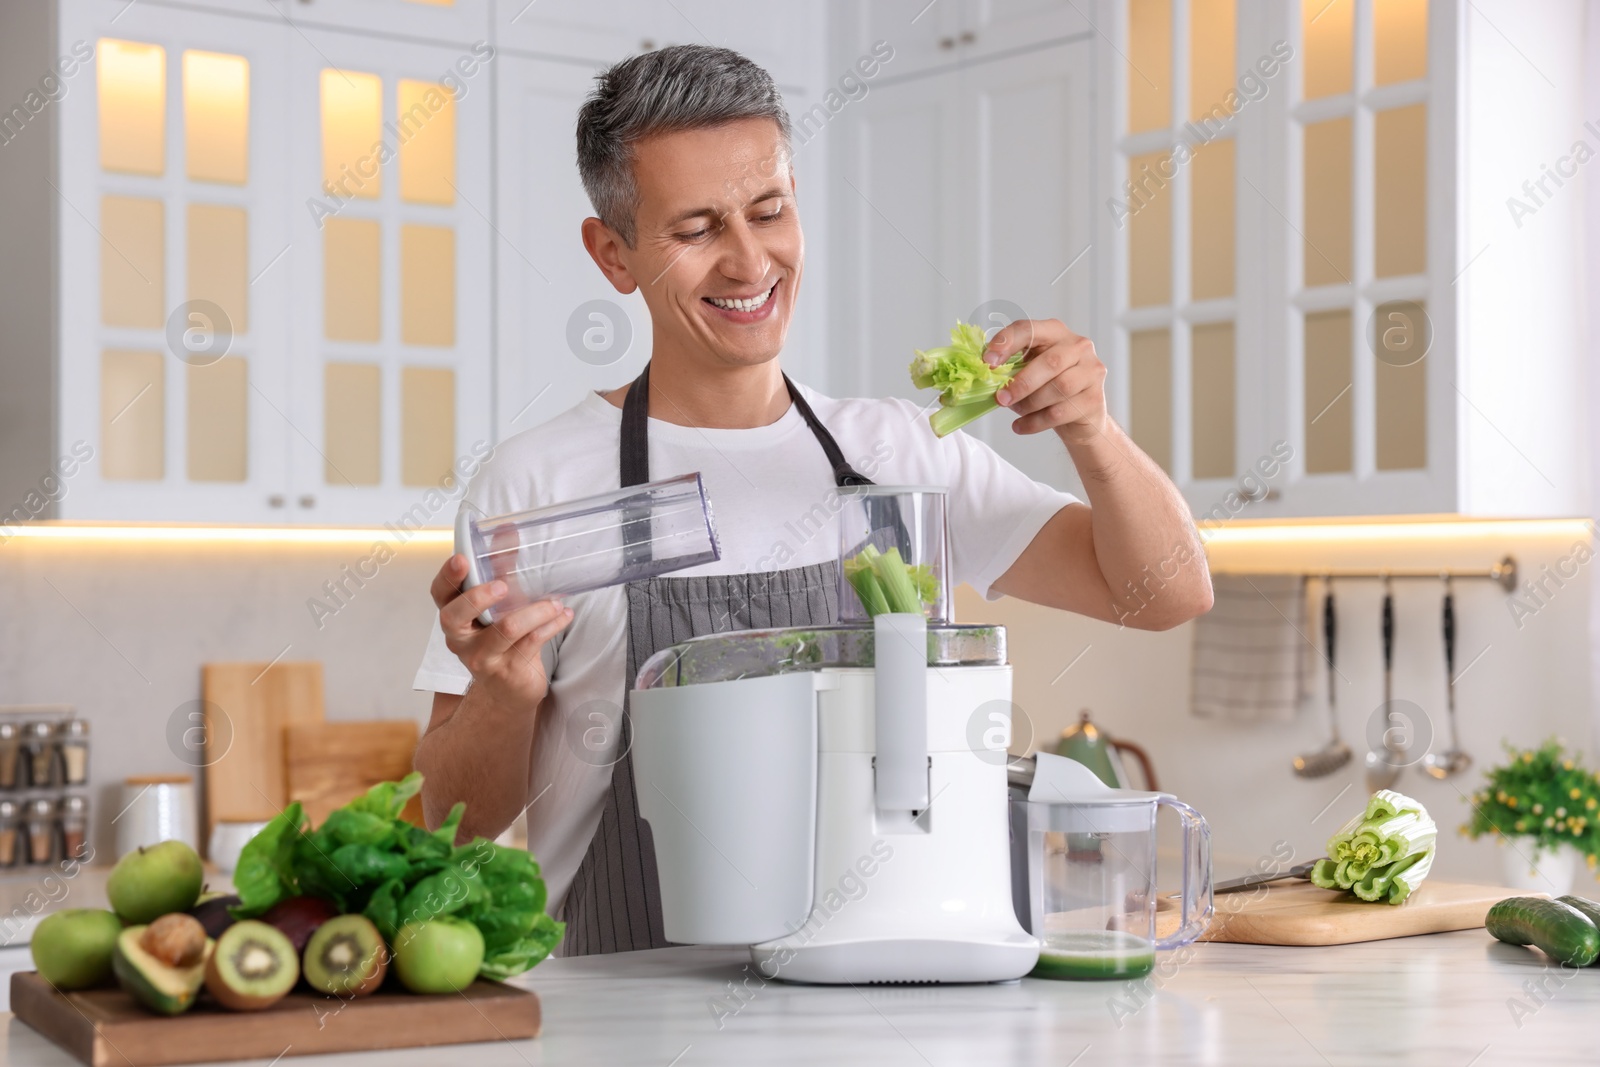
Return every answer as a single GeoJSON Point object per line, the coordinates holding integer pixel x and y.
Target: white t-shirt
{"type": "Point", "coordinates": [764, 485]}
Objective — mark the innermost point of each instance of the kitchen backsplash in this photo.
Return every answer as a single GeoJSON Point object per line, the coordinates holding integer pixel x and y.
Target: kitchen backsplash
{"type": "Point", "coordinates": [120, 631]}
{"type": "Point", "coordinates": [1523, 668]}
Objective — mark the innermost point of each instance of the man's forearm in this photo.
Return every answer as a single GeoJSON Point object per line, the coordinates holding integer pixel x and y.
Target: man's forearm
{"type": "Point", "coordinates": [477, 752]}
{"type": "Point", "coordinates": [1145, 542]}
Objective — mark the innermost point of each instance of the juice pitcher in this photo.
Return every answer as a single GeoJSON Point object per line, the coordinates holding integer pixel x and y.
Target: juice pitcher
{"type": "Point", "coordinates": [1083, 859]}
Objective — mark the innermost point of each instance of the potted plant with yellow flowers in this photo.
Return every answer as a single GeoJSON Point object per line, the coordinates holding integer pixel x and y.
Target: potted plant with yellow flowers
{"type": "Point", "coordinates": [1544, 806]}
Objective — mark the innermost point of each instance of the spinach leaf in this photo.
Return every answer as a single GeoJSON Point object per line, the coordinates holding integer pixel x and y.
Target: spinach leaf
{"type": "Point", "coordinates": [265, 873]}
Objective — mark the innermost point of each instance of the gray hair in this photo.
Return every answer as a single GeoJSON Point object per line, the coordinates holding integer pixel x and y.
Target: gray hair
{"type": "Point", "coordinates": [680, 87]}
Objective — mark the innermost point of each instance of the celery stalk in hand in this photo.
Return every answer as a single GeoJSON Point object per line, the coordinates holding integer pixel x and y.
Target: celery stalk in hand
{"type": "Point", "coordinates": [967, 385]}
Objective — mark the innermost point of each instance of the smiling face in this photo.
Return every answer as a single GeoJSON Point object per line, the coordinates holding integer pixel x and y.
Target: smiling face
{"type": "Point", "coordinates": [718, 250]}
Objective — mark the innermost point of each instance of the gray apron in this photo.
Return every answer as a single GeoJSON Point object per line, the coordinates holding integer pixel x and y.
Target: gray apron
{"type": "Point", "coordinates": [614, 904]}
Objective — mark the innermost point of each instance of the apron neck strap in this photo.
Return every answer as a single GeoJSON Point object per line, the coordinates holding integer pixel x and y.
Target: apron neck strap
{"type": "Point", "coordinates": [635, 431]}
{"type": "Point", "coordinates": [635, 444]}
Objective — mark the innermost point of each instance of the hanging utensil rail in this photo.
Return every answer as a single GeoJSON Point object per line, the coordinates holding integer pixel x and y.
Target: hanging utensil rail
{"type": "Point", "coordinates": [1504, 572]}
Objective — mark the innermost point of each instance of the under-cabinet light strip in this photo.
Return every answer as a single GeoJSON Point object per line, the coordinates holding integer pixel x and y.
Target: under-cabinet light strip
{"type": "Point", "coordinates": [1368, 533]}
{"type": "Point", "coordinates": [1220, 535]}
{"type": "Point", "coordinates": [308, 535]}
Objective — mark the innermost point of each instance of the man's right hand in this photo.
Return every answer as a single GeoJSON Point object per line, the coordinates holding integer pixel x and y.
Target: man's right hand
{"type": "Point", "coordinates": [503, 658]}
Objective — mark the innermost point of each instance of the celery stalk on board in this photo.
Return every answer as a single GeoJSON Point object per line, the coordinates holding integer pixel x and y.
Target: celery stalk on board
{"type": "Point", "coordinates": [1382, 854]}
{"type": "Point", "coordinates": [885, 584]}
{"type": "Point", "coordinates": [967, 385]}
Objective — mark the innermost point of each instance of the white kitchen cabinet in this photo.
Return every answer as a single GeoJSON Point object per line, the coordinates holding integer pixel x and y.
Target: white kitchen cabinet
{"type": "Point", "coordinates": [956, 189]}
{"type": "Point", "coordinates": [456, 22]}
{"type": "Point", "coordinates": [1380, 283]}
{"type": "Point", "coordinates": [576, 29]}
{"type": "Point", "coordinates": [550, 289]}
{"type": "Point", "coordinates": [939, 34]}
{"type": "Point", "coordinates": [777, 36]}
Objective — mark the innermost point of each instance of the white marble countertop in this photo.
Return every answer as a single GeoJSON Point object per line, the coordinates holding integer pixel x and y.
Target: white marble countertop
{"type": "Point", "coordinates": [1443, 999]}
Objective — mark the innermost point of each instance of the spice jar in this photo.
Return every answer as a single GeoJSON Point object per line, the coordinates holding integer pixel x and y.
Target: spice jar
{"type": "Point", "coordinates": [41, 825]}
{"type": "Point", "coordinates": [39, 742]}
{"type": "Point", "coordinates": [10, 756]}
{"type": "Point", "coordinates": [10, 833]}
{"type": "Point", "coordinates": [74, 825]}
{"type": "Point", "coordinates": [72, 741]}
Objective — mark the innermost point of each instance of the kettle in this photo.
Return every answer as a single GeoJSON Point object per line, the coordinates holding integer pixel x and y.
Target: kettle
{"type": "Point", "coordinates": [1095, 749]}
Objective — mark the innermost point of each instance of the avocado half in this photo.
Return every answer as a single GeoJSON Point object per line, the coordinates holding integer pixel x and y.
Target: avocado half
{"type": "Point", "coordinates": [164, 989]}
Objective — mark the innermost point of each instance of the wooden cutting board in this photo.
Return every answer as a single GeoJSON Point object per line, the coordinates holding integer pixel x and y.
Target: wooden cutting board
{"type": "Point", "coordinates": [329, 763]}
{"type": "Point", "coordinates": [246, 707]}
{"type": "Point", "coordinates": [106, 1028]}
{"type": "Point", "coordinates": [1298, 913]}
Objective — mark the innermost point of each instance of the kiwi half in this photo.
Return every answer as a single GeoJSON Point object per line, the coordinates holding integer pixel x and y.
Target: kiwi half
{"type": "Point", "coordinates": [346, 957]}
{"type": "Point", "coordinates": [252, 967]}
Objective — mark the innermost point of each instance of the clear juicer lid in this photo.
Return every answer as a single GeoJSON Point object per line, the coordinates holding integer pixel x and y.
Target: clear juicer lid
{"type": "Point", "coordinates": [759, 653]}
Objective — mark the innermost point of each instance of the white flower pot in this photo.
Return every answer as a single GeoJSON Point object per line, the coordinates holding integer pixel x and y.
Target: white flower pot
{"type": "Point", "coordinates": [1550, 870]}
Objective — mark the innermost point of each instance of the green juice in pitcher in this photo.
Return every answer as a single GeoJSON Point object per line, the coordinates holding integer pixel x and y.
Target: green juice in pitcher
{"type": "Point", "coordinates": [1080, 954]}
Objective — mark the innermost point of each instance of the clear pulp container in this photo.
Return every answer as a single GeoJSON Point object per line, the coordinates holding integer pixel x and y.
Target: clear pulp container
{"type": "Point", "coordinates": [900, 527]}
{"type": "Point", "coordinates": [625, 535]}
{"type": "Point", "coordinates": [1084, 873]}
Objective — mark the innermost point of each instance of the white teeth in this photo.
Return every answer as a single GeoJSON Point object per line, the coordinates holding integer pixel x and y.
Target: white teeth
{"type": "Point", "coordinates": [743, 305]}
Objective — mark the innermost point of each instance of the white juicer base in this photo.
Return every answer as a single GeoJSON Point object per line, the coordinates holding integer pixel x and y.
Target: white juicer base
{"type": "Point", "coordinates": [898, 960]}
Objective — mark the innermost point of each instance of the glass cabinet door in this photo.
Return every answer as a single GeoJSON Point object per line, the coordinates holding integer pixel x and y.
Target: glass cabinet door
{"type": "Point", "coordinates": [391, 252]}
{"type": "Point", "coordinates": [1363, 271]}
{"type": "Point", "coordinates": [1178, 229]}
{"type": "Point", "coordinates": [172, 330]}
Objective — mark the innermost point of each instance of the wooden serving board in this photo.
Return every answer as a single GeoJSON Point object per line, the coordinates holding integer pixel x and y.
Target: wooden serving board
{"type": "Point", "coordinates": [246, 707]}
{"type": "Point", "coordinates": [330, 763]}
{"type": "Point", "coordinates": [106, 1028]}
{"type": "Point", "coordinates": [1298, 913]}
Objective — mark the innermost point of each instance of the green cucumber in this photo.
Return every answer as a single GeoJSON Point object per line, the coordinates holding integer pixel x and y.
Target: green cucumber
{"type": "Point", "coordinates": [1561, 931]}
{"type": "Point", "coordinates": [1587, 907]}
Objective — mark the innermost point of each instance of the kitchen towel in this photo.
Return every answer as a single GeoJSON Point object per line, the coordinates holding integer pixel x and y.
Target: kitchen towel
{"type": "Point", "coordinates": [1253, 653]}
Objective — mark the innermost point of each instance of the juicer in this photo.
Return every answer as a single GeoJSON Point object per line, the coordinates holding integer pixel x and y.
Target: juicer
{"type": "Point", "coordinates": [836, 797]}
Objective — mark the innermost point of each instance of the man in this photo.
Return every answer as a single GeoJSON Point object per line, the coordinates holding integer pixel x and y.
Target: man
{"type": "Point", "coordinates": [684, 154]}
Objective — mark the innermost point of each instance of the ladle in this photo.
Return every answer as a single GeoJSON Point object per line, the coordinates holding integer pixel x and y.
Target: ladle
{"type": "Point", "coordinates": [1453, 760]}
{"type": "Point", "coordinates": [1335, 753]}
{"type": "Point", "coordinates": [1384, 765]}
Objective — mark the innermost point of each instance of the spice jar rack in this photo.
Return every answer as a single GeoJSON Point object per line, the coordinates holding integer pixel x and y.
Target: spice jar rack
{"type": "Point", "coordinates": [44, 778]}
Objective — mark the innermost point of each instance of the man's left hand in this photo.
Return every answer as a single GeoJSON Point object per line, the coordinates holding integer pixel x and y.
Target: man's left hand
{"type": "Point", "coordinates": [1061, 384]}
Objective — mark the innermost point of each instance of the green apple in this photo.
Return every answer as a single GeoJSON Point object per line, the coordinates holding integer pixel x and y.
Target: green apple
{"type": "Point", "coordinates": [73, 948]}
{"type": "Point", "coordinates": [153, 881]}
{"type": "Point", "coordinates": [438, 956]}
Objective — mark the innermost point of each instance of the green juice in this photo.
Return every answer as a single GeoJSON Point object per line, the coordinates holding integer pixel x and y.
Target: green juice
{"type": "Point", "coordinates": [1094, 954]}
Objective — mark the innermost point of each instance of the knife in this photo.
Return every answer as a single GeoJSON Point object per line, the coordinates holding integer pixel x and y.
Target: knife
{"type": "Point", "coordinates": [1250, 881]}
